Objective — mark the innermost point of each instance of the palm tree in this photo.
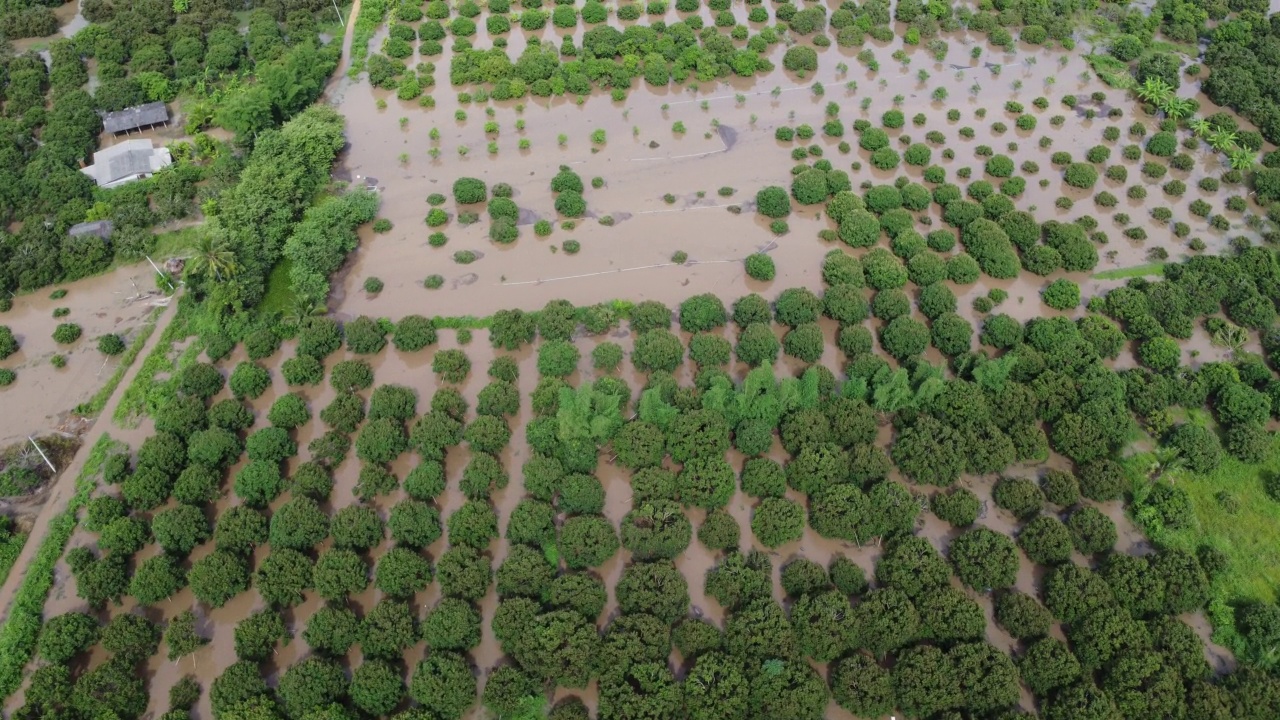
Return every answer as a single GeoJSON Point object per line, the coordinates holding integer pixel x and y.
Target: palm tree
{"type": "Point", "coordinates": [1242, 159]}
{"type": "Point", "coordinates": [1165, 461]}
{"type": "Point", "coordinates": [213, 257]}
{"type": "Point", "coordinates": [1231, 336]}
{"type": "Point", "coordinates": [303, 309]}
{"type": "Point", "coordinates": [1200, 127]}
{"type": "Point", "coordinates": [1155, 91]}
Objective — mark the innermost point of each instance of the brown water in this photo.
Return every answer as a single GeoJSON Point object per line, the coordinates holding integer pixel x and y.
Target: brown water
{"type": "Point", "coordinates": [103, 304]}
{"type": "Point", "coordinates": [643, 160]}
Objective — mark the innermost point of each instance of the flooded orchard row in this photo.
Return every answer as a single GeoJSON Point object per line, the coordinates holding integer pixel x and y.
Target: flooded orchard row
{"type": "Point", "coordinates": [413, 370]}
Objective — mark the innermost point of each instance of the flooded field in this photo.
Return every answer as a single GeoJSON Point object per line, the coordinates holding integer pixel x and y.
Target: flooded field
{"type": "Point", "coordinates": [730, 143]}
{"type": "Point", "coordinates": [118, 302]}
{"type": "Point", "coordinates": [660, 192]}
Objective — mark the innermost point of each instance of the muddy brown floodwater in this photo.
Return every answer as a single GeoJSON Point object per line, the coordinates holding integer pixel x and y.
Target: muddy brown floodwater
{"type": "Point", "coordinates": [100, 305]}
{"type": "Point", "coordinates": [643, 160]}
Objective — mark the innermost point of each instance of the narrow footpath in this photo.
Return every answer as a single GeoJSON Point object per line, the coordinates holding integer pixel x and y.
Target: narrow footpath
{"type": "Point", "coordinates": [65, 485]}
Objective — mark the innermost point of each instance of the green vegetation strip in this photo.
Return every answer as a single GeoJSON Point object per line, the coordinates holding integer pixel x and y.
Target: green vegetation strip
{"type": "Point", "coordinates": [1235, 516]}
{"type": "Point", "coordinates": [10, 548]}
{"type": "Point", "coordinates": [368, 21]}
{"type": "Point", "coordinates": [134, 402]}
{"type": "Point", "coordinates": [99, 400]}
{"type": "Point", "coordinates": [22, 628]}
{"type": "Point", "coordinates": [1130, 272]}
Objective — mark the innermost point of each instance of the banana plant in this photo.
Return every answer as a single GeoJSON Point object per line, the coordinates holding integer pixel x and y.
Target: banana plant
{"type": "Point", "coordinates": [1222, 140]}
{"type": "Point", "coordinates": [1155, 91]}
{"type": "Point", "coordinates": [1176, 108]}
{"type": "Point", "coordinates": [1242, 159]}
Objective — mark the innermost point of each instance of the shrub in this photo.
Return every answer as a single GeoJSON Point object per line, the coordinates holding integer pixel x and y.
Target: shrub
{"type": "Point", "coordinates": [1000, 166]}
{"type": "Point", "coordinates": [468, 191]}
{"type": "Point", "coordinates": [1081, 175]}
{"type": "Point", "coordinates": [760, 267]}
{"type": "Point", "coordinates": [1062, 294]}
{"type": "Point", "coordinates": [773, 202]}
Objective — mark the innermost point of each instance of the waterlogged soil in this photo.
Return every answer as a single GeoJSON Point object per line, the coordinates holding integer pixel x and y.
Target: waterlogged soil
{"type": "Point", "coordinates": [729, 143]}
{"type": "Point", "coordinates": [413, 370]}
{"type": "Point", "coordinates": [100, 305]}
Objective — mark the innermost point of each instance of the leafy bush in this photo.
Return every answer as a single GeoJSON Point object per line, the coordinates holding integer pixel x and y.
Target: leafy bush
{"type": "Point", "coordinates": [468, 191]}
{"type": "Point", "coordinates": [760, 267]}
{"type": "Point", "coordinates": [773, 202]}
{"type": "Point", "coordinates": [1081, 175]}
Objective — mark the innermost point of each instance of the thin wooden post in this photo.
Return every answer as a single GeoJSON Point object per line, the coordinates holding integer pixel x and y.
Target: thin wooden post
{"type": "Point", "coordinates": [46, 457]}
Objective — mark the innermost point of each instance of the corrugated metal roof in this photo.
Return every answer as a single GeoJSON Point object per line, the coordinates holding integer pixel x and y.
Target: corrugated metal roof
{"type": "Point", "coordinates": [100, 228]}
{"type": "Point", "coordinates": [135, 117]}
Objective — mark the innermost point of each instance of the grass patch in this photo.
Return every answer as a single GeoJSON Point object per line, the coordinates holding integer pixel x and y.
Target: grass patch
{"type": "Point", "coordinates": [21, 630]}
{"type": "Point", "coordinates": [100, 398]}
{"type": "Point", "coordinates": [1155, 268]}
{"type": "Point", "coordinates": [1112, 71]}
{"type": "Point", "coordinates": [10, 548]}
{"type": "Point", "coordinates": [280, 296]}
{"type": "Point", "coordinates": [1248, 533]}
{"type": "Point", "coordinates": [138, 397]}
{"type": "Point", "coordinates": [175, 243]}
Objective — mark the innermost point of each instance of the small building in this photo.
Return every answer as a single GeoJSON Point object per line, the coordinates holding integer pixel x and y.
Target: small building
{"type": "Point", "coordinates": [138, 117]}
{"type": "Point", "coordinates": [98, 228]}
{"type": "Point", "coordinates": [127, 161]}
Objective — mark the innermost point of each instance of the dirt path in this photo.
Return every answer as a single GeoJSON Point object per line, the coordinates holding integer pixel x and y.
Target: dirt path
{"type": "Point", "coordinates": [339, 75]}
{"type": "Point", "coordinates": [65, 484]}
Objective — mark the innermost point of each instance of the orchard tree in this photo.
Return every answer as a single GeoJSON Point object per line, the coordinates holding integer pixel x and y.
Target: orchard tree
{"type": "Point", "coordinates": [156, 579]}
{"type": "Point", "coordinates": [925, 682]}
{"type": "Point", "coordinates": [948, 615]}
{"type": "Point", "coordinates": [453, 624]}
{"type": "Point", "coordinates": [386, 630]}
{"type": "Point", "coordinates": [332, 630]}
{"type": "Point", "coordinates": [131, 638]}
{"type": "Point", "coordinates": [1048, 665]}
{"type": "Point", "coordinates": [656, 588]}
{"type": "Point", "coordinates": [633, 640]}
{"type": "Point", "coordinates": [912, 565]}
{"type": "Point", "coordinates": [464, 573]}
{"type": "Point", "coordinates": [339, 573]}
{"type": "Point", "coordinates": [256, 636]}
{"type": "Point", "coordinates": [716, 687]}
{"type": "Point", "coordinates": [282, 577]}
{"type": "Point", "coordinates": [984, 559]}
{"type": "Point", "coordinates": [823, 625]}
{"type": "Point", "coordinates": [401, 572]}
{"type": "Point", "coordinates": [310, 685]}
{"type": "Point", "coordinates": [1071, 592]}
{"type": "Point", "coordinates": [65, 636]}
{"type": "Point", "coordinates": [377, 687]}
{"type": "Point", "coordinates": [885, 620]}
{"type": "Point", "coordinates": [760, 632]}
{"type": "Point", "coordinates": [1020, 615]}
{"type": "Point", "coordinates": [218, 577]}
